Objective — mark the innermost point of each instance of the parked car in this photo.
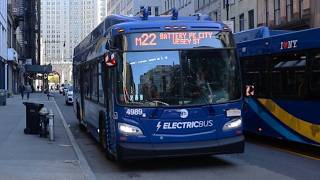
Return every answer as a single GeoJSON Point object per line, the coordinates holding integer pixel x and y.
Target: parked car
{"type": "Point", "coordinates": [69, 95]}
{"type": "Point", "coordinates": [65, 89]}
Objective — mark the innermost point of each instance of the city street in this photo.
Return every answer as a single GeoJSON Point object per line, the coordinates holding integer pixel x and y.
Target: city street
{"type": "Point", "coordinates": [261, 160]}
{"type": "Point", "coordinates": [162, 90]}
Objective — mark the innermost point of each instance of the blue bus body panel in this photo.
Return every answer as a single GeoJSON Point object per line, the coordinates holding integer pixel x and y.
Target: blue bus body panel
{"type": "Point", "coordinates": [154, 26]}
{"type": "Point", "coordinates": [158, 133]}
{"type": "Point", "coordinates": [306, 39]}
{"type": "Point", "coordinates": [258, 120]}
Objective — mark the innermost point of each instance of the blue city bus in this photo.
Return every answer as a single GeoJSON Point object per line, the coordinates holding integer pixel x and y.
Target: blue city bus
{"type": "Point", "coordinates": [148, 87]}
{"type": "Point", "coordinates": [281, 80]}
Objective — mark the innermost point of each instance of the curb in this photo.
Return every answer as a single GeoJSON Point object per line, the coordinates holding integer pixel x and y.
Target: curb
{"type": "Point", "coordinates": [89, 175]}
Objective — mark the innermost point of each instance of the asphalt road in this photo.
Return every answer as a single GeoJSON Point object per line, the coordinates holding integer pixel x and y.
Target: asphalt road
{"type": "Point", "coordinates": [263, 159]}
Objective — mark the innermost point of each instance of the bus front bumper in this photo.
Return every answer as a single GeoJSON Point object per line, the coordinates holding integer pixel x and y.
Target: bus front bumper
{"type": "Point", "coordinates": [142, 150]}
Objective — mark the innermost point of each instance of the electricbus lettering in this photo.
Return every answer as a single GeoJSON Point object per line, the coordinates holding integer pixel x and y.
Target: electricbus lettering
{"type": "Point", "coordinates": [289, 44]}
{"type": "Point", "coordinates": [184, 125]}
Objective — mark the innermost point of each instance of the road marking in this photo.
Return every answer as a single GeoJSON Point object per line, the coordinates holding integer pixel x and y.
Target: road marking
{"type": "Point", "coordinates": [83, 162]}
{"type": "Point", "coordinates": [291, 152]}
{"type": "Point", "coordinates": [299, 154]}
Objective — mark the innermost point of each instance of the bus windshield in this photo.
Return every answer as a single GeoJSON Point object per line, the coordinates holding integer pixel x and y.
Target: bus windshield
{"type": "Point", "coordinates": [178, 78]}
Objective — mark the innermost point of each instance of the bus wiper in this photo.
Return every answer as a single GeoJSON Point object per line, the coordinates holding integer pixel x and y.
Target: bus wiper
{"type": "Point", "coordinates": [198, 47]}
{"type": "Point", "coordinates": [157, 107]}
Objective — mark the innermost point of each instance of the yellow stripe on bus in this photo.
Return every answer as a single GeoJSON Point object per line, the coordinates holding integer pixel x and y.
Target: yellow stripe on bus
{"type": "Point", "coordinates": [306, 129]}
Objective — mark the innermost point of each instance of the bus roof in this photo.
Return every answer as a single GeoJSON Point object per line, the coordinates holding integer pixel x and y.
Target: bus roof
{"type": "Point", "coordinates": [152, 23]}
{"type": "Point", "coordinates": [262, 41]}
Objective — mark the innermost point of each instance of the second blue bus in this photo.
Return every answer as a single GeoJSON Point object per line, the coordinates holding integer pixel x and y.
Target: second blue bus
{"type": "Point", "coordinates": [281, 72]}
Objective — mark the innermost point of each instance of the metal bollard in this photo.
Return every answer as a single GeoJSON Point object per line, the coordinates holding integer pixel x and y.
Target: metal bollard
{"type": "Point", "coordinates": [51, 125]}
{"type": "Point", "coordinates": [43, 121]}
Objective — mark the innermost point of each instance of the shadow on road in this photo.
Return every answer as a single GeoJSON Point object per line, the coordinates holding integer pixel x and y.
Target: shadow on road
{"type": "Point", "coordinates": [183, 163]}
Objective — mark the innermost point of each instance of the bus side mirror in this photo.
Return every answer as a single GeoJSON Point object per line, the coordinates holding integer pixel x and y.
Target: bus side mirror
{"type": "Point", "coordinates": [110, 59]}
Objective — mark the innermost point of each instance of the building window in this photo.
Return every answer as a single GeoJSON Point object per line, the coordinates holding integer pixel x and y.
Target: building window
{"type": "Point", "coordinates": [156, 11]}
{"type": "Point", "coordinates": [251, 19]}
{"type": "Point", "coordinates": [289, 10]}
{"type": "Point", "coordinates": [233, 19]}
{"type": "Point", "coordinates": [300, 8]}
{"type": "Point", "coordinates": [277, 12]}
{"type": "Point", "coordinates": [267, 12]}
{"type": "Point", "coordinates": [241, 22]}
{"type": "Point", "coordinates": [149, 10]}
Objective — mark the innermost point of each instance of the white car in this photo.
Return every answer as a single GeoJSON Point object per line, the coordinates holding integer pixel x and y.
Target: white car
{"type": "Point", "coordinates": [69, 95]}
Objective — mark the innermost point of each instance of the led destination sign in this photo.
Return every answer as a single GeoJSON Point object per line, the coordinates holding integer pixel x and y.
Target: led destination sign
{"type": "Point", "coordinates": [174, 40]}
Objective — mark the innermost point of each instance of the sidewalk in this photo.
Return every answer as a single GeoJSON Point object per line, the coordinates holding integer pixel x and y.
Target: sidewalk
{"type": "Point", "coordinates": [29, 156]}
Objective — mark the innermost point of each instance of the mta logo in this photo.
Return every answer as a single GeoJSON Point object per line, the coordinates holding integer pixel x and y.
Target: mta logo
{"type": "Point", "coordinates": [184, 113]}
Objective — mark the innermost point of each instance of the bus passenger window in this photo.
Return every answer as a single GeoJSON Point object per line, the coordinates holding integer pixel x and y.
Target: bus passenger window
{"type": "Point", "coordinates": [94, 77]}
{"type": "Point", "coordinates": [288, 76]}
{"type": "Point", "coordinates": [86, 83]}
{"type": "Point", "coordinates": [100, 89]}
{"type": "Point", "coordinates": [315, 76]}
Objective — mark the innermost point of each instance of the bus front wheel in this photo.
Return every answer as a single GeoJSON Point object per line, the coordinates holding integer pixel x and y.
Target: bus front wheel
{"type": "Point", "coordinates": [104, 137]}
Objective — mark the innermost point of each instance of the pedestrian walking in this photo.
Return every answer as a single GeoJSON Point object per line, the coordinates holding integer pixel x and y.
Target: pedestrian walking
{"type": "Point", "coordinates": [28, 90]}
{"type": "Point", "coordinates": [21, 90]}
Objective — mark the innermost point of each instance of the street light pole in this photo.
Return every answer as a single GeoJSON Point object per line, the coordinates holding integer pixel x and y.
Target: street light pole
{"type": "Point", "coordinates": [227, 9]}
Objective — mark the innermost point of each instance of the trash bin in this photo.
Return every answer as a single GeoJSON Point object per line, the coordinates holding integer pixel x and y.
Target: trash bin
{"type": "Point", "coordinates": [3, 97]}
{"type": "Point", "coordinates": [32, 117]}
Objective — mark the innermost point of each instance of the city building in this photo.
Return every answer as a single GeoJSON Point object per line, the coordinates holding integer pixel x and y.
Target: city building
{"type": "Point", "coordinates": [289, 14]}
{"type": "Point", "coordinates": [25, 46]}
{"type": "Point", "coordinates": [132, 7]}
{"type": "Point", "coordinates": [14, 73]}
{"type": "Point", "coordinates": [100, 10]}
{"type": "Point", "coordinates": [209, 7]}
{"type": "Point", "coordinates": [243, 13]}
{"type": "Point", "coordinates": [185, 7]}
{"type": "Point", "coordinates": [64, 24]}
{"type": "Point", "coordinates": [3, 44]}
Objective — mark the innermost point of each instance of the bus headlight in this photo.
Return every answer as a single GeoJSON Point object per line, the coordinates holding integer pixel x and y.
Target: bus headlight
{"type": "Point", "coordinates": [233, 124]}
{"type": "Point", "coordinates": [129, 130]}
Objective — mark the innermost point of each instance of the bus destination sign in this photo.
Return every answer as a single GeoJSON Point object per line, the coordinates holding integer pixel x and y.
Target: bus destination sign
{"type": "Point", "coordinates": [179, 38]}
{"type": "Point", "coordinates": [173, 40]}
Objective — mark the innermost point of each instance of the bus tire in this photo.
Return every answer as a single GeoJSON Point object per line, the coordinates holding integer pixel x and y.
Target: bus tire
{"type": "Point", "coordinates": [104, 136]}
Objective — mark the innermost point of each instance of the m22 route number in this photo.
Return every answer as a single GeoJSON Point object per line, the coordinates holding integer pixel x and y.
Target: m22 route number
{"type": "Point", "coordinates": [146, 40]}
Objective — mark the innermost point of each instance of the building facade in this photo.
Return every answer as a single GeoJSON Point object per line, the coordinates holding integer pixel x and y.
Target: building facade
{"type": "Point", "coordinates": [132, 7]}
{"type": "Point", "coordinates": [289, 14]}
{"type": "Point", "coordinates": [242, 13]}
{"type": "Point", "coordinates": [64, 23]}
{"type": "Point", "coordinates": [14, 74]}
{"type": "Point", "coordinates": [209, 7]}
{"type": "Point", "coordinates": [185, 7]}
{"type": "Point", "coordinates": [3, 44]}
{"type": "Point", "coordinates": [101, 10]}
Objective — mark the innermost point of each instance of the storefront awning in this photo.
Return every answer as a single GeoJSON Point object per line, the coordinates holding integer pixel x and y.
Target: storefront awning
{"type": "Point", "coordinates": [41, 69]}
